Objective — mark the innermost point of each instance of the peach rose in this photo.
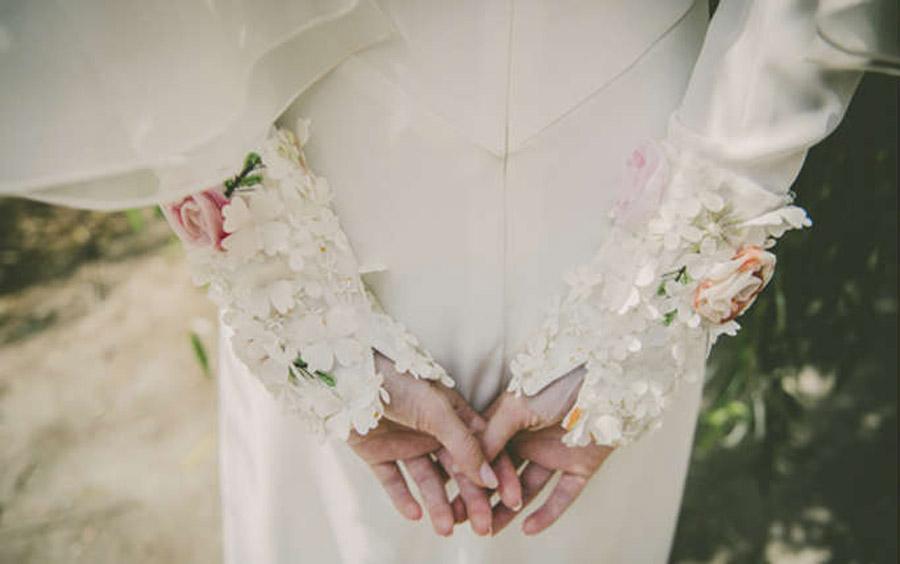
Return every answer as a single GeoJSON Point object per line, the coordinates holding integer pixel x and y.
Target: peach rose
{"type": "Point", "coordinates": [731, 287]}
{"type": "Point", "coordinates": [197, 219]}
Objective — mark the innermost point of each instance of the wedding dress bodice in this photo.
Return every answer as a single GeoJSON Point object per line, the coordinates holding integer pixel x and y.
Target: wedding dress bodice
{"type": "Point", "coordinates": [500, 72]}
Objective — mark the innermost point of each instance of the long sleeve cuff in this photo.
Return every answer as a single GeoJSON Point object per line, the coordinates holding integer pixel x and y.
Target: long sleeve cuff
{"type": "Point", "coordinates": [275, 259]}
{"type": "Point", "coordinates": [689, 252]}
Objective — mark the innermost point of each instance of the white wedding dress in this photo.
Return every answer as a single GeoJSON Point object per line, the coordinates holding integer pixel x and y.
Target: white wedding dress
{"type": "Point", "coordinates": [475, 151]}
{"type": "Point", "coordinates": [468, 157]}
{"type": "Point", "coordinates": [475, 156]}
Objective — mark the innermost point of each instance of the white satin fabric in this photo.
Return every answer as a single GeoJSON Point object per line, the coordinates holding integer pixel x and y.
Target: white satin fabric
{"type": "Point", "coordinates": [475, 156]}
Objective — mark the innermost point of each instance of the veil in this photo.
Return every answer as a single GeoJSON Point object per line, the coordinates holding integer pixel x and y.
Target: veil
{"type": "Point", "coordinates": [108, 104]}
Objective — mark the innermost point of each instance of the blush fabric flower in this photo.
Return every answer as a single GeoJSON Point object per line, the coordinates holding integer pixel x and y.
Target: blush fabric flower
{"type": "Point", "coordinates": [197, 219]}
{"type": "Point", "coordinates": [731, 287]}
{"type": "Point", "coordinates": [646, 174]}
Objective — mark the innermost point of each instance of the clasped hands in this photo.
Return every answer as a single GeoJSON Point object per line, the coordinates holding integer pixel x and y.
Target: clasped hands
{"type": "Point", "coordinates": [513, 448]}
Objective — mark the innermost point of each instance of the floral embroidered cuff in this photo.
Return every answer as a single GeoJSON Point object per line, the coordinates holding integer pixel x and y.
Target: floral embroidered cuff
{"type": "Point", "coordinates": [275, 259]}
{"type": "Point", "coordinates": [688, 253]}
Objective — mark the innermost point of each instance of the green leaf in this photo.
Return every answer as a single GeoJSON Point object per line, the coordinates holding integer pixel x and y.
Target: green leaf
{"type": "Point", "coordinates": [200, 354]}
{"type": "Point", "coordinates": [669, 317]}
{"type": "Point", "coordinates": [251, 180]}
{"type": "Point", "coordinates": [682, 276]}
{"type": "Point", "coordinates": [326, 378]}
{"type": "Point", "coordinates": [661, 290]}
{"type": "Point", "coordinates": [230, 185]}
{"type": "Point", "coordinates": [251, 161]}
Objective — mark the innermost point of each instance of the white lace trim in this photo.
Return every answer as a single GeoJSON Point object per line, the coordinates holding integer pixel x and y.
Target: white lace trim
{"type": "Point", "coordinates": [656, 296]}
{"type": "Point", "coordinates": [290, 287]}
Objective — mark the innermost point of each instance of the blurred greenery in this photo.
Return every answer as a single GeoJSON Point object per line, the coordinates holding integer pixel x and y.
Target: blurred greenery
{"type": "Point", "coordinates": [40, 242]}
{"type": "Point", "coordinates": [796, 447]}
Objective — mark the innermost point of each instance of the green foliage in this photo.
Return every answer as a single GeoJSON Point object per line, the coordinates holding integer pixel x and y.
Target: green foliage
{"type": "Point", "coordinates": [303, 368]}
{"type": "Point", "coordinates": [40, 242]}
{"type": "Point", "coordinates": [136, 219]}
{"type": "Point", "coordinates": [797, 442]}
{"type": "Point", "coordinates": [244, 179]}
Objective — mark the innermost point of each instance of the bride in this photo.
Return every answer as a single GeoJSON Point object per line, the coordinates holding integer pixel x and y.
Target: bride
{"type": "Point", "coordinates": [472, 252]}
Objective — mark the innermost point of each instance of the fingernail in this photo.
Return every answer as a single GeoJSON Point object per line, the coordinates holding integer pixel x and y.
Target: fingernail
{"type": "Point", "coordinates": [480, 528]}
{"type": "Point", "coordinates": [488, 476]}
{"type": "Point", "coordinates": [528, 527]}
{"type": "Point", "coordinates": [517, 506]}
{"type": "Point", "coordinates": [446, 527]}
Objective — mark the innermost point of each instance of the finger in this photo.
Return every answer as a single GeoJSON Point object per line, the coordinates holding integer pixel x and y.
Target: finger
{"type": "Point", "coordinates": [566, 491]}
{"type": "Point", "coordinates": [397, 445]}
{"type": "Point", "coordinates": [391, 479]}
{"type": "Point", "coordinates": [546, 448]}
{"type": "Point", "coordinates": [475, 499]}
{"type": "Point", "coordinates": [458, 506]}
{"type": "Point", "coordinates": [465, 450]}
{"type": "Point", "coordinates": [505, 422]}
{"type": "Point", "coordinates": [534, 478]}
{"type": "Point", "coordinates": [431, 486]}
{"type": "Point", "coordinates": [510, 489]}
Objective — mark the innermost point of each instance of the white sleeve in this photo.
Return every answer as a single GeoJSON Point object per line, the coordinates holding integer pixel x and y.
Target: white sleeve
{"type": "Point", "coordinates": [276, 260]}
{"type": "Point", "coordinates": [691, 246]}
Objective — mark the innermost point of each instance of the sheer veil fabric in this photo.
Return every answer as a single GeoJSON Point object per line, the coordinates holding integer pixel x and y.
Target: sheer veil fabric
{"type": "Point", "coordinates": [109, 104]}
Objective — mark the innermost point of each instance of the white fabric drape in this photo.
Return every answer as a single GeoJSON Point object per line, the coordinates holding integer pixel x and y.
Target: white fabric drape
{"type": "Point", "coordinates": [763, 91]}
{"type": "Point", "coordinates": [119, 103]}
{"type": "Point", "coordinates": [110, 104]}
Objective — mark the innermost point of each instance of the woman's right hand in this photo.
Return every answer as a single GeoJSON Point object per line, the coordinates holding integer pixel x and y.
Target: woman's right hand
{"type": "Point", "coordinates": [527, 428]}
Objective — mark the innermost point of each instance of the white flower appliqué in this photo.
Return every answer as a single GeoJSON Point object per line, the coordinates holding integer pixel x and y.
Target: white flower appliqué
{"type": "Point", "coordinates": [289, 285]}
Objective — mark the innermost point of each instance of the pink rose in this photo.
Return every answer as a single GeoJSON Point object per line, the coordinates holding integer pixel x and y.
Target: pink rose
{"type": "Point", "coordinates": [197, 219]}
{"type": "Point", "coordinates": [731, 287]}
{"type": "Point", "coordinates": [645, 177]}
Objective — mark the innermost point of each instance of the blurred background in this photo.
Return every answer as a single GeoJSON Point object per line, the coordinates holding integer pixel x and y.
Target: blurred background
{"type": "Point", "coordinates": [107, 391]}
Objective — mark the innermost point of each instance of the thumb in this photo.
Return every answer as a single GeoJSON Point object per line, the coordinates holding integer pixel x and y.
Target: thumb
{"type": "Point", "coordinates": [503, 424]}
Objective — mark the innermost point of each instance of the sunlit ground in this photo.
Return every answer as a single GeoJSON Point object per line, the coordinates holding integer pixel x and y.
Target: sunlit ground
{"type": "Point", "coordinates": [107, 419]}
